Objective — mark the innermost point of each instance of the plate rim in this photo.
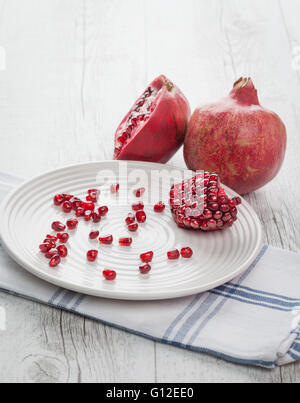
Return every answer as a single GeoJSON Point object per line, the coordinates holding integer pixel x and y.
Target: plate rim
{"type": "Point", "coordinates": [122, 295]}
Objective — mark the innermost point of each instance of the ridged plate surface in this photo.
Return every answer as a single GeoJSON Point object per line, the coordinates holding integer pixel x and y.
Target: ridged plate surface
{"type": "Point", "coordinates": [27, 214]}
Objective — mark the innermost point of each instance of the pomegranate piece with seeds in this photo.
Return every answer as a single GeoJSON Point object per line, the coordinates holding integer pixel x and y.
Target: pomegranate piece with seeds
{"type": "Point", "coordinates": [94, 234]}
{"type": "Point", "coordinates": [173, 254]}
{"type": "Point", "coordinates": [109, 274]}
{"type": "Point", "coordinates": [55, 261]}
{"type": "Point", "coordinates": [92, 255]}
{"type": "Point", "coordinates": [186, 252]}
{"type": "Point", "coordinates": [63, 237]}
{"type": "Point", "coordinates": [154, 128]}
{"type": "Point", "coordinates": [159, 207]}
{"type": "Point", "coordinates": [62, 251]}
{"type": "Point", "coordinates": [138, 206]}
{"type": "Point", "coordinates": [201, 203]}
{"type": "Point", "coordinates": [147, 257]}
{"type": "Point", "coordinates": [141, 216]}
{"type": "Point", "coordinates": [133, 227]}
{"type": "Point", "coordinates": [58, 226]}
{"type": "Point", "coordinates": [72, 224]}
{"type": "Point", "coordinates": [107, 240]}
{"type": "Point", "coordinates": [125, 241]}
{"type": "Point", "coordinates": [145, 268]}
{"type": "Point", "coordinates": [139, 192]}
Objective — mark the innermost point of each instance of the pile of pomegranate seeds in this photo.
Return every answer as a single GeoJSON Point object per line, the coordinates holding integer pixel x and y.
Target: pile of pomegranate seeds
{"type": "Point", "coordinates": [201, 203]}
{"type": "Point", "coordinates": [109, 274]}
{"type": "Point", "coordinates": [140, 113]}
{"type": "Point", "coordinates": [49, 248]}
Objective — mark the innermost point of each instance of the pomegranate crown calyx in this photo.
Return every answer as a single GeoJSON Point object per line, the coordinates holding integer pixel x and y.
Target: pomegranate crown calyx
{"type": "Point", "coordinates": [245, 92]}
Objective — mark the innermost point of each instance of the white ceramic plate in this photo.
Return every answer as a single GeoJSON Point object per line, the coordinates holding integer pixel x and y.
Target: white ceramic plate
{"type": "Point", "coordinates": [27, 214]}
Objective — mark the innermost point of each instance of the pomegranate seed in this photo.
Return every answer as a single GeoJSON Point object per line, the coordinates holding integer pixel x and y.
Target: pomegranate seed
{"type": "Point", "coordinates": [94, 234]}
{"type": "Point", "coordinates": [75, 203]}
{"type": "Point", "coordinates": [125, 241]}
{"type": "Point", "coordinates": [88, 215]}
{"type": "Point", "coordinates": [141, 216]}
{"type": "Point", "coordinates": [87, 206]}
{"type": "Point", "coordinates": [55, 261]}
{"type": "Point", "coordinates": [147, 257]}
{"type": "Point", "coordinates": [67, 197]}
{"type": "Point", "coordinates": [107, 240]}
{"type": "Point", "coordinates": [72, 224]}
{"type": "Point", "coordinates": [54, 238]}
{"type": "Point", "coordinates": [103, 210]}
{"type": "Point", "coordinates": [96, 217]}
{"type": "Point", "coordinates": [45, 247]}
{"type": "Point", "coordinates": [224, 208]}
{"type": "Point", "coordinates": [138, 206]}
{"type": "Point", "coordinates": [226, 217]}
{"type": "Point", "coordinates": [159, 207]}
{"type": "Point", "coordinates": [92, 255]}
{"type": "Point", "coordinates": [237, 200]}
{"type": "Point", "coordinates": [67, 207]}
{"type": "Point", "coordinates": [79, 212]}
{"type": "Point", "coordinates": [115, 188]}
{"type": "Point", "coordinates": [139, 192]}
{"type": "Point", "coordinates": [50, 242]}
{"type": "Point", "coordinates": [145, 268]}
{"type": "Point", "coordinates": [133, 227]}
{"type": "Point", "coordinates": [63, 237]}
{"type": "Point", "coordinates": [218, 215]}
{"type": "Point", "coordinates": [186, 252]}
{"type": "Point", "coordinates": [94, 191]}
{"type": "Point", "coordinates": [62, 251]}
{"type": "Point", "coordinates": [51, 253]}
{"type": "Point", "coordinates": [58, 200]}
{"type": "Point", "coordinates": [130, 219]}
{"type": "Point", "coordinates": [109, 274]}
{"type": "Point", "coordinates": [173, 254]}
{"type": "Point", "coordinates": [58, 226]}
{"type": "Point", "coordinates": [211, 223]}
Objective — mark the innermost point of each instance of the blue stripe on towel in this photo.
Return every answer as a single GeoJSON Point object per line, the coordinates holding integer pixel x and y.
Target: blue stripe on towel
{"type": "Point", "coordinates": [66, 299]}
{"type": "Point", "coordinates": [283, 297]}
{"type": "Point", "coordinates": [55, 295]}
{"type": "Point", "coordinates": [207, 304]}
{"type": "Point", "coordinates": [227, 291]}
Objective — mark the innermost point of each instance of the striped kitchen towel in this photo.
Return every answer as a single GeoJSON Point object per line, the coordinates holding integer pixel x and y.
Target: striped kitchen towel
{"type": "Point", "coordinates": [254, 319]}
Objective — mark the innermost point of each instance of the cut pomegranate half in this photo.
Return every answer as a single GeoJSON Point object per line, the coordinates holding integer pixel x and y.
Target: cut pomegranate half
{"type": "Point", "coordinates": [154, 128]}
{"type": "Point", "coordinates": [201, 203]}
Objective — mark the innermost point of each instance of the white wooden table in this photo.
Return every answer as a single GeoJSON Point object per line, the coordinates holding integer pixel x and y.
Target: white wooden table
{"type": "Point", "coordinates": [73, 68]}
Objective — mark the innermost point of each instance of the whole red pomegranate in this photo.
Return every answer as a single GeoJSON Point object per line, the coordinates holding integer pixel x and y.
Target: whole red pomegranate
{"type": "Point", "coordinates": [237, 138]}
{"type": "Point", "coordinates": [154, 128]}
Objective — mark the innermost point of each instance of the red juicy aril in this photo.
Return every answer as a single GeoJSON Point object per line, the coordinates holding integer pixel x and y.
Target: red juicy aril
{"type": "Point", "coordinates": [201, 203]}
{"type": "Point", "coordinates": [154, 128]}
{"type": "Point", "coordinates": [237, 138]}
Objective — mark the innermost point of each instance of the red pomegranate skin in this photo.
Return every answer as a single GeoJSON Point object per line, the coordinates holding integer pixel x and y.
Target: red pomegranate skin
{"type": "Point", "coordinates": [158, 139]}
{"type": "Point", "coordinates": [237, 138]}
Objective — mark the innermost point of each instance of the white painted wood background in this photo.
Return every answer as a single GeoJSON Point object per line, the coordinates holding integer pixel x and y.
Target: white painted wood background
{"type": "Point", "coordinates": [73, 68]}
